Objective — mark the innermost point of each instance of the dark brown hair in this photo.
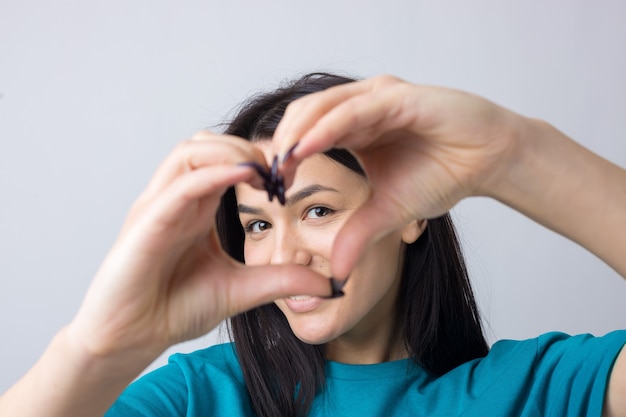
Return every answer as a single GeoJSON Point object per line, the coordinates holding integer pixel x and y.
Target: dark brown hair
{"type": "Point", "coordinates": [436, 308]}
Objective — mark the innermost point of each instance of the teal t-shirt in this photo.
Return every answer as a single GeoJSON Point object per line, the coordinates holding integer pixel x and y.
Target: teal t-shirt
{"type": "Point", "coordinates": [552, 375]}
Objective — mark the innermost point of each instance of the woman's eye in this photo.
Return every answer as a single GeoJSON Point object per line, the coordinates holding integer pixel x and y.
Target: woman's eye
{"type": "Point", "coordinates": [257, 226]}
{"type": "Point", "coordinates": [318, 211]}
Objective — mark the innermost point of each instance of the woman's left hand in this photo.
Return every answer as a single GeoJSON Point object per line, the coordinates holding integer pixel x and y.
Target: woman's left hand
{"type": "Point", "coordinates": [423, 148]}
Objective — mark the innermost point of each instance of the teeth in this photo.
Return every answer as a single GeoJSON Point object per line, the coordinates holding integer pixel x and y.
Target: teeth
{"type": "Point", "coordinates": [300, 297]}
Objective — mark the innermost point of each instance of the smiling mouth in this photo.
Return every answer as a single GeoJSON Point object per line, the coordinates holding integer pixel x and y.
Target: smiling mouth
{"type": "Point", "coordinates": [299, 297]}
{"type": "Point", "coordinates": [300, 304]}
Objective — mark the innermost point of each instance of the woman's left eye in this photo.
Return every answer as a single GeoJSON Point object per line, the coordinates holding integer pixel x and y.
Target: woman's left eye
{"type": "Point", "coordinates": [318, 211]}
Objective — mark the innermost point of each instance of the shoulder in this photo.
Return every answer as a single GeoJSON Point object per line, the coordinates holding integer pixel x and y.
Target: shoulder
{"type": "Point", "coordinates": [221, 356]}
{"type": "Point", "coordinates": [562, 348]}
{"type": "Point", "coordinates": [553, 374]}
{"type": "Point", "coordinates": [555, 356]}
{"type": "Point", "coordinates": [215, 363]}
{"type": "Point", "coordinates": [207, 379]}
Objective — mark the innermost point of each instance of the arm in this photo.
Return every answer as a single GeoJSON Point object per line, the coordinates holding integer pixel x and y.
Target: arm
{"type": "Point", "coordinates": [578, 194]}
{"type": "Point", "coordinates": [165, 280]}
{"type": "Point", "coordinates": [69, 381]}
{"type": "Point", "coordinates": [615, 400]}
{"type": "Point", "coordinates": [568, 189]}
{"type": "Point", "coordinates": [426, 148]}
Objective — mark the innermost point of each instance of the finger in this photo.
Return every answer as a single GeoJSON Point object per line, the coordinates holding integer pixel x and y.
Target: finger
{"type": "Point", "coordinates": [303, 113]}
{"type": "Point", "coordinates": [368, 224]}
{"type": "Point", "coordinates": [202, 150]}
{"type": "Point", "coordinates": [184, 202]}
{"type": "Point", "coordinates": [256, 285]}
{"type": "Point", "coordinates": [362, 119]}
{"type": "Point", "coordinates": [306, 113]}
{"type": "Point", "coordinates": [199, 184]}
{"type": "Point", "coordinates": [356, 120]}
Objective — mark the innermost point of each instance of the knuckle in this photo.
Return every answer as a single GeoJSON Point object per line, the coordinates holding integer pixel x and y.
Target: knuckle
{"type": "Point", "coordinates": [294, 107]}
{"type": "Point", "coordinates": [386, 80]}
{"type": "Point", "coordinates": [200, 136]}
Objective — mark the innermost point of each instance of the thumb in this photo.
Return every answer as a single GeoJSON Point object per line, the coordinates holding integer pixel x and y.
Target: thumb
{"type": "Point", "coordinates": [253, 286]}
{"type": "Point", "coordinates": [368, 224]}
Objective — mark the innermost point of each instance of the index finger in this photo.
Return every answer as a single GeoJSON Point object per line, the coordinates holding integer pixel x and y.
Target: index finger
{"type": "Point", "coordinates": [203, 149]}
{"type": "Point", "coordinates": [301, 115]}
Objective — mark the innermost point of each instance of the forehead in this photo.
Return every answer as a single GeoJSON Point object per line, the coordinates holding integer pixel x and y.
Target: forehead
{"type": "Point", "coordinates": [317, 169]}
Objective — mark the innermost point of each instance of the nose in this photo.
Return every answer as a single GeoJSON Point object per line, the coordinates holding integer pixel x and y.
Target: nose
{"type": "Point", "coordinates": [289, 248]}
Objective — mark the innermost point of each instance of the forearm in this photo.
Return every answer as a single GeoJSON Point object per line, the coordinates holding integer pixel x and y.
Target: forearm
{"type": "Point", "coordinates": [570, 190]}
{"type": "Point", "coordinates": [67, 381]}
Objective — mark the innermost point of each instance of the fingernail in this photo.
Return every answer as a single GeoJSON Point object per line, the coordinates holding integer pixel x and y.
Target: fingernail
{"type": "Point", "coordinates": [259, 169]}
{"type": "Point", "coordinates": [337, 283]}
{"type": "Point", "coordinates": [335, 290]}
{"type": "Point", "coordinates": [289, 152]}
{"type": "Point", "coordinates": [271, 184]}
{"type": "Point", "coordinates": [270, 188]}
{"type": "Point", "coordinates": [280, 189]}
{"type": "Point", "coordinates": [274, 170]}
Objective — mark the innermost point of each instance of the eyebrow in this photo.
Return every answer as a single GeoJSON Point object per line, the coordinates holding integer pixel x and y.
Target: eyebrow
{"type": "Point", "coordinates": [291, 200]}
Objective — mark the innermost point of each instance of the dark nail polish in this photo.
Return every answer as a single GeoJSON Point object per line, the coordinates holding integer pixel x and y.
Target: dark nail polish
{"type": "Point", "coordinates": [280, 189]}
{"type": "Point", "coordinates": [289, 152]}
{"type": "Point", "coordinates": [335, 291]}
{"type": "Point", "coordinates": [274, 170]}
{"type": "Point", "coordinates": [269, 187]}
{"type": "Point", "coordinates": [273, 182]}
{"type": "Point", "coordinates": [259, 169]}
{"type": "Point", "coordinates": [336, 288]}
{"type": "Point", "coordinates": [270, 183]}
{"type": "Point", "coordinates": [338, 284]}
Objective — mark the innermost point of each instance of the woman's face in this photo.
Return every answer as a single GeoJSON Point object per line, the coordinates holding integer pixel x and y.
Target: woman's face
{"type": "Point", "coordinates": [323, 195]}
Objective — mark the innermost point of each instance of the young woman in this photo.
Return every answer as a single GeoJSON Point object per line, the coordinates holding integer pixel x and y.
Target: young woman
{"type": "Point", "coordinates": [365, 307]}
{"type": "Point", "coordinates": [410, 296]}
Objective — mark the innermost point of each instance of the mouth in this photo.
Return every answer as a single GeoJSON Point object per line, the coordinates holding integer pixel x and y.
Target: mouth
{"type": "Point", "coordinates": [303, 303]}
{"type": "Point", "coordinates": [300, 297]}
{"type": "Point", "coordinates": [306, 303]}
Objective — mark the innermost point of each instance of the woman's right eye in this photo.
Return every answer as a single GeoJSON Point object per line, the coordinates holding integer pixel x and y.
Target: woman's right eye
{"type": "Point", "coordinates": [257, 226]}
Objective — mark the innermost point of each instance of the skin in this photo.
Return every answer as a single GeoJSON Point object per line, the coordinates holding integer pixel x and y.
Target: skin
{"type": "Point", "coordinates": [357, 328]}
{"type": "Point", "coordinates": [447, 145]}
{"type": "Point", "coordinates": [165, 280]}
{"type": "Point", "coordinates": [424, 149]}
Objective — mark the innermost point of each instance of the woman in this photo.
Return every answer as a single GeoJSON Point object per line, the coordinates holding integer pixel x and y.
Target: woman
{"type": "Point", "coordinates": [423, 149]}
{"type": "Point", "coordinates": [435, 316]}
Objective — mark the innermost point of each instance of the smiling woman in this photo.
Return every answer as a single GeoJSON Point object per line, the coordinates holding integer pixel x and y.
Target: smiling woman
{"type": "Point", "coordinates": [325, 194]}
{"type": "Point", "coordinates": [406, 297]}
{"type": "Point", "coordinates": [348, 294]}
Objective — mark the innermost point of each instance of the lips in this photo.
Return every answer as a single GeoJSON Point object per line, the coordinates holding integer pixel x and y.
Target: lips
{"type": "Point", "coordinates": [300, 297]}
{"type": "Point", "coordinates": [303, 303]}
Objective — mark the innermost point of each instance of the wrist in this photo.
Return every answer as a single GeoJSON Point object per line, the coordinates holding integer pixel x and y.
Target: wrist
{"type": "Point", "coordinates": [518, 143]}
{"type": "Point", "coordinates": [123, 360]}
{"type": "Point", "coordinates": [69, 380]}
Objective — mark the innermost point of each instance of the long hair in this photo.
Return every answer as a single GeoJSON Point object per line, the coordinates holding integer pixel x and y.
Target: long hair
{"type": "Point", "coordinates": [437, 312]}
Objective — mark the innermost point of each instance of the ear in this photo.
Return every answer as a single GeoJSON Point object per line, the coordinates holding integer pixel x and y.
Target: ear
{"type": "Point", "coordinates": [413, 230]}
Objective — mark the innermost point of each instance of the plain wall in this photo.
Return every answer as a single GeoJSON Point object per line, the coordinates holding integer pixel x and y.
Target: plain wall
{"type": "Point", "coordinates": [94, 94]}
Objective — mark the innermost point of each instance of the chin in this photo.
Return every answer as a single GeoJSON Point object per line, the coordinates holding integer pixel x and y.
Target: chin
{"type": "Point", "coordinates": [313, 333]}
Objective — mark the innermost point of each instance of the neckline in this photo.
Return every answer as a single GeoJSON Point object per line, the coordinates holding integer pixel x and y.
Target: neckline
{"type": "Point", "coordinates": [356, 372]}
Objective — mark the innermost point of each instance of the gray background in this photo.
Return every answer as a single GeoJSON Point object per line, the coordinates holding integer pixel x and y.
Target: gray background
{"type": "Point", "coordinates": [94, 94]}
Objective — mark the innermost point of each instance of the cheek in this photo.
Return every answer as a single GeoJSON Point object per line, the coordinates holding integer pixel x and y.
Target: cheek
{"type": "Point", "coordinates": [320, 241]}
{"type": "Point", "coordinates": [254, 254]}
{"type": "Point", "coordinates": [316, 242]}
{"type": "Point", "coordinates": [383, 261]}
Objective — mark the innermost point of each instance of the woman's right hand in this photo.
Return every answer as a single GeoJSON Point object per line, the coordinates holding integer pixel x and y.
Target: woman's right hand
{"type": "Point", "coordinates": [167, 278]}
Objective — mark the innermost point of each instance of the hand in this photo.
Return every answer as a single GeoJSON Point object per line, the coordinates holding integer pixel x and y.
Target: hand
{"type": "Point", "coordinates": [167, 278]}
{"type": "Point", "coordinates": [423, 148]}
